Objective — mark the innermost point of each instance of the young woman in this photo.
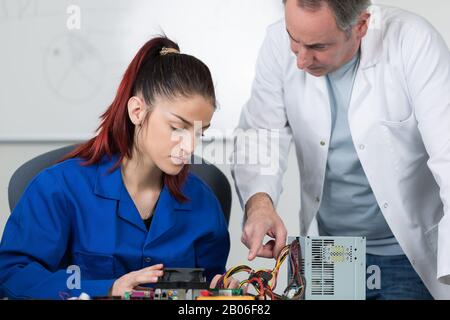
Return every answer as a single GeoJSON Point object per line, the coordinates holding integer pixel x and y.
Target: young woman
{"type": "Point", "coordinates": [123, 206]}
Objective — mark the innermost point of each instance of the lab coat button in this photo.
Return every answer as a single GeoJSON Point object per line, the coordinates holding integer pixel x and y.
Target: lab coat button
{"type": "Point", "coordinates": [386, 205]}
{"type": "Point", "coordinates": [322, 143]}
{"type": "Point", "coordinates": [362, 147]}
{"type": "Point", "coordinates": [317, 199]}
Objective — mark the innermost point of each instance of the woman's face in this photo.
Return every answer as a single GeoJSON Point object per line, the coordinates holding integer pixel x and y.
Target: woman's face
{"type": "Point", "coordinates": [168, 137]}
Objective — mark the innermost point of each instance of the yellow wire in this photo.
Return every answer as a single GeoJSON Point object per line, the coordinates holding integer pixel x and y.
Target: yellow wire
{"type": "Point", "coordinates": [274, 272]}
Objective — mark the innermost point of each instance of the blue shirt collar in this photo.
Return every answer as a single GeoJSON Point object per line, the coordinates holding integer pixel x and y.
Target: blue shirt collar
{"type": "Point", "coordinates": [347, 67]}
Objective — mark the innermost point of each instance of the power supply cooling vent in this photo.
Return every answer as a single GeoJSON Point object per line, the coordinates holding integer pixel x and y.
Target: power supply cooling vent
{"type": "Point", "coordinates": [322, 273]}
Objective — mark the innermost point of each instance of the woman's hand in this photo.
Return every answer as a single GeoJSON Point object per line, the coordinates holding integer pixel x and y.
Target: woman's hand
{"type": "Point", "coordinates": [131, 280]}
{"type": "Point", "coordinates": [232, 282]}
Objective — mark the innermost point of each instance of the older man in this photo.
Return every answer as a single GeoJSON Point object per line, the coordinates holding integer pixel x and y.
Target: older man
{"type": "Point", "coordinates": [364, 92]}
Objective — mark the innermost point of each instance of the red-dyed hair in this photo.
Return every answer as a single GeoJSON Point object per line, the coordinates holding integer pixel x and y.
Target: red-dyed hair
{"type": "Point", "coordinates": [151, 74]}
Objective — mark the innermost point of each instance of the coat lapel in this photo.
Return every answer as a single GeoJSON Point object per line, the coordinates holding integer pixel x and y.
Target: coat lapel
{"type": "Point", "coordinates": [361, 107]}
{"type": "Point", "coordinates": [166, 215]}
{"type": "Point", "coordinates": [109, 185]}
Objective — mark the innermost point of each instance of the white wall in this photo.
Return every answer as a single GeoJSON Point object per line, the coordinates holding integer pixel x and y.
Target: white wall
{"type": "Point", "coordinates": [29, 134]}
{"type": "Point", "coordinates": [435, 11]}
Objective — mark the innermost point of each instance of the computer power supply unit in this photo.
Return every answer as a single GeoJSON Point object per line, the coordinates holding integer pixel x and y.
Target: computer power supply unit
{"type": "Point", "coordinates": [333, 268]}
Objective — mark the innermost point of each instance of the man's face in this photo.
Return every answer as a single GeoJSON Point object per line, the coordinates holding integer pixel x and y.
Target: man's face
{"type": "Point", "coordinates": [320, 45]}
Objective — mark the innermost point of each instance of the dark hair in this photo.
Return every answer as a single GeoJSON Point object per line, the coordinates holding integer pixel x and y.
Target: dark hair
{"type": "Point", "coordinates": [346, 12]}
{"type": "Point", "coordinates": [151, 74]}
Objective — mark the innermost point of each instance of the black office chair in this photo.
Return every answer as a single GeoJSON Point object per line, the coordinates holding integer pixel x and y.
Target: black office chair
{"type": "Point", "coordinates": [209, 173]}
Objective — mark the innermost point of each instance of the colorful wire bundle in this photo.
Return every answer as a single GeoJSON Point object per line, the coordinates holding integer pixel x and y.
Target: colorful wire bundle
{"type": "Point", "coordinates": [264, 281]}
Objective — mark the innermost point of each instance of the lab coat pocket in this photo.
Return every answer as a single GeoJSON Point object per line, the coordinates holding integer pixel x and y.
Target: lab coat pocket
{"type": "Point", "coordinates": [404, 142]}
{"type": "Point", "coordinates": [431, 237]}
{"type": "Point", "coordinates": [407, 122]}
{"type": "Point", "coordinates": [94, 266]}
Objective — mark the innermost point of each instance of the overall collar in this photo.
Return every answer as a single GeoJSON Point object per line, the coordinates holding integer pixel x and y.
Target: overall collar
{"type": "Point", "coordinates": [109, 184]}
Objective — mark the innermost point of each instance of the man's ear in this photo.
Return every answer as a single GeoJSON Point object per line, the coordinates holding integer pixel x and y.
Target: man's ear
{"type": "Point", "coordinates": [363, 24]}
{"type": "Point", "coordinates": [136, 110]}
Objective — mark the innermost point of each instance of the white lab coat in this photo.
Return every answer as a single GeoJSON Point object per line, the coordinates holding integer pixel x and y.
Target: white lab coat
{"type": "Point", "coordinates": [399, 119]}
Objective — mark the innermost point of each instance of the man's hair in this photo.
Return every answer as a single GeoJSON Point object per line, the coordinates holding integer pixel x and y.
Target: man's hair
{"type": "Point", "coordinates": [346, 12]}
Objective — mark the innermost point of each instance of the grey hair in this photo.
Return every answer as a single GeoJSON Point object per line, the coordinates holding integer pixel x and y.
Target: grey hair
{"type": "Point", "coordinates": [346, 12]}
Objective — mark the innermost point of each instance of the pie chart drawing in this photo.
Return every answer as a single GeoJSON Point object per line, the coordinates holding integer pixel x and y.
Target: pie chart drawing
{"type": "Point", "coordinates": [73, 68]}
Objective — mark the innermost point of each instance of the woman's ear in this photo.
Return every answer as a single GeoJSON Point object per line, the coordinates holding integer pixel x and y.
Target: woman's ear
{"type": "Point", "coordinates": [136, 110]}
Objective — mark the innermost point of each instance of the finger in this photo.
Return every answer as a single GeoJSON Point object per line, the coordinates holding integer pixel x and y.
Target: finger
{"type": "Point", "coordinates": [214, 281]}
{"type": "Point", "coordinates": [147, 276]}
{"type": "Point", "coordinates": [155, 267]}
{"type": "Point", "coordinates": [233, 284]}
{"type": "Point", "coordinates": [255, 244]}
{"type": "Point", "coordinates": [267, 250]}
{"type": "Point", "coordinates": [280, 239]}
{"type": "Point", "coordinates": [145, 279]}
{"type": "Point", "coordinates": [253, 252]}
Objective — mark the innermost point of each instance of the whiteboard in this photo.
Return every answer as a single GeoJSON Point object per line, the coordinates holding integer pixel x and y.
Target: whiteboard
{"type": "Point", "coordinates": [55, 80]}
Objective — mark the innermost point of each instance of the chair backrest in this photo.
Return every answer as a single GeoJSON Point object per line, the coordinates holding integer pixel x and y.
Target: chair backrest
{"type": "Point", "coordinates": [209, 173]}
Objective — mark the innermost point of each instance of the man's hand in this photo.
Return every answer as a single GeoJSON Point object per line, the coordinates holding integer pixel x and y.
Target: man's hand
{"type": "Point", "coordinates": [261, 220]}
